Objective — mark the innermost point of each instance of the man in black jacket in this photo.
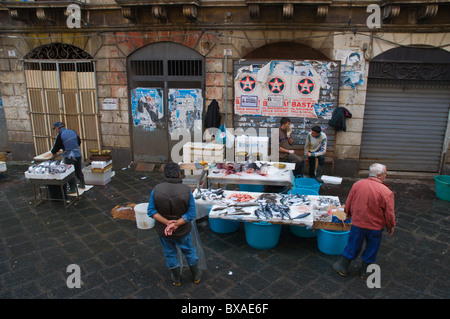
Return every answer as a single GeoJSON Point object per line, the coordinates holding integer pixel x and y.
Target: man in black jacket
{"type": "Point", "coordinates": [172, 206]}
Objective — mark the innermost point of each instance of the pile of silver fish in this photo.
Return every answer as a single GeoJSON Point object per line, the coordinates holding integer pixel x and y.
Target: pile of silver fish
{"type": "Point", "coordinates": [208, 194]}
{"type": "Point", "coordinates": [272, 210]}
{"type": "Point", "coordinates": [48, 167]}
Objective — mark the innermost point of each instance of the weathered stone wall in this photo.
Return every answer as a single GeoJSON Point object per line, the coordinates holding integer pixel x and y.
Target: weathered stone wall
{"type": "Point", "coordinates": [111, 50]}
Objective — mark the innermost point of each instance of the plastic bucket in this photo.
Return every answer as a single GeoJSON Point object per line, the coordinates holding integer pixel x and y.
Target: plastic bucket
{"type": "Point", "coordinates": [332, 242]}
{"type": "Point", "coordinates": [251, 188]}
{"type": "Point", "coordinates": [223, 226]}
{"type": "Point", "coordinates": [143, 221]}
{"type": "Point", "coordinates": [443, 187]}
{"type": "Point", "coordinates": [302, 231]}
{"type": "Point", "coordinates": [305, 182]}
{"type": "Point", "coordinates": [262, 235]}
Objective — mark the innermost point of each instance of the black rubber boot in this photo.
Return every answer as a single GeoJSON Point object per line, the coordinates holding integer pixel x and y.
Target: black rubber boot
{"type": "Point", "coordinates": [175, 276]}
{"type": "Point", "coordinates": [196, 273]}
{"type": "Point", "coordinates": [341, 266]}
{"type": "Point", "coordinates": [364, 274]}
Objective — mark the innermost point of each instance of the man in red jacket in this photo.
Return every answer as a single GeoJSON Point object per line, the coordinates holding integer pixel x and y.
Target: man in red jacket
{"type": "Point", "coordinates": [370, 205]}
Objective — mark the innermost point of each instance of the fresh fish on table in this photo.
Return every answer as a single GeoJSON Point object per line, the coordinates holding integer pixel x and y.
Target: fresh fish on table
{"type": "Point", "coordinates": [259, 212]}
{"type": "Point", "coordinates": [208, 194]}
{"type": "Point", "coordinates": [302, 216]}
{"type": "Point", "coordinates": [263, 170]}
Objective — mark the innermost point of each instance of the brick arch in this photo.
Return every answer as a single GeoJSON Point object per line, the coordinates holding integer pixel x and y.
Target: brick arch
{"type": "Point", "coordinates": [285, 51]}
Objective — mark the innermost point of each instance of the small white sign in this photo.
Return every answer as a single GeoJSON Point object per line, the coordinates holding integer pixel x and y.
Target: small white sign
{"type": "Point", "coordinates": [12, 53]}
{"type": "Point", "coordinates": [109, 104]}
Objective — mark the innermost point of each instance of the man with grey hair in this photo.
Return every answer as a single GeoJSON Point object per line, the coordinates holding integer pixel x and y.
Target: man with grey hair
{"type": "Point", "coordinates": [370, 205]}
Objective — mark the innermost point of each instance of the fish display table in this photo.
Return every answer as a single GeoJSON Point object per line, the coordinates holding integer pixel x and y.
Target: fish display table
{"type": "Point", "coordinates": [272, 175]}
{"type": "Point", "coordinates": [273, 208]}
{"type": "Point", "coordinates": [40, 196]}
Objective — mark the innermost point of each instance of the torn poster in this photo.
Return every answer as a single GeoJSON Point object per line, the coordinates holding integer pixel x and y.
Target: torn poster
{"type": "Point", "coordinates": [185, 108]}
{"type": "Point", "coordinates": [147, 107]}
{"type": "Point", "coordinates": [281, 88]}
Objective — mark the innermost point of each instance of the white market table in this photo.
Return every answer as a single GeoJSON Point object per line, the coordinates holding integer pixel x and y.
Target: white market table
{"type": "Point", "coordinates": [316, 210]}
{"type": "Point", "coordinates": [275, 176]}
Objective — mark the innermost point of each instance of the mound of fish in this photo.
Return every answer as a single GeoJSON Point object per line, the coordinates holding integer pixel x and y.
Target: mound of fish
{"type": "Point", "coordinates": [247, 167]}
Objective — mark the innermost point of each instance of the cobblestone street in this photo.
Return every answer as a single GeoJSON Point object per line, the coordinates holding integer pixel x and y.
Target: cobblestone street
{"type": "Point", "coordinates": [118, 260]}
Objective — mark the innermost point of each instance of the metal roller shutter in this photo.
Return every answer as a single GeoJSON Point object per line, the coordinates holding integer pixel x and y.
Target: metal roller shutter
{"type": "Point", "coordinates": [405, 126]}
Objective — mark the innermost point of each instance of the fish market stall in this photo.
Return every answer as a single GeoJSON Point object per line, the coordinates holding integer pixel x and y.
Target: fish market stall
{"type": "Point", "coordinates": [287, 209]}
{"type": "Point", "coordinates": [51, 176]}
{"type": "Point", "coordinates": [256, 173]}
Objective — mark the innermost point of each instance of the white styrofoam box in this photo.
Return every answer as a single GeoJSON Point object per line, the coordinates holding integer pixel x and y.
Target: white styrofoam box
{"type": "Point", "coordinates": [2, 166]}
{"type": "Point", "coordinates": [92, 178]}
{"type": "Point", "coordinates": [331, 179]}
{"type": "Point", "coordinates": [206, 158]}
{"type": "Point", "coordinates": [196, 152]}
{"type": "Point", "coordinates": [100, 164]}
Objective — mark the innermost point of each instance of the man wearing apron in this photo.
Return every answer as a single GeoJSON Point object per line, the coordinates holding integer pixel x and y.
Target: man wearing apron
{"type": "Point", "coordinates": [69, 142]}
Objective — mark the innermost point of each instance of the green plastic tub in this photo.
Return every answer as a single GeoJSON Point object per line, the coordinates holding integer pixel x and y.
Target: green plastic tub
{"type": "Point", "coordinates": [443, 187]}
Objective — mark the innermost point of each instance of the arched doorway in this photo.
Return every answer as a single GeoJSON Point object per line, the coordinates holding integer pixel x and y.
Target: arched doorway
{"type": "Point", "coordinates": [407, 110]}
{"type": "Point", "coordinates": [166, 83]}
{"type": "Point", "coordinates": [61, 86]}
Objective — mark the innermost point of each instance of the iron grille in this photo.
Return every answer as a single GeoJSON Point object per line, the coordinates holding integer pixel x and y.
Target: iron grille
{"type": "Point", "coordinates": [185, 67]}
{"type": "Point", "coordinates": [147, 67]}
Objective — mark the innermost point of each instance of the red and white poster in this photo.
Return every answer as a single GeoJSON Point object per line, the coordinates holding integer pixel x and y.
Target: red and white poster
{"type": "Point", "coordinates": [247, 95]}
{"type": "Point", "coordinates": [305, 91]}
{"type": "Point", "coordinates": [276, 95]}
{"type": "Point", "coordinates": [279, 88]}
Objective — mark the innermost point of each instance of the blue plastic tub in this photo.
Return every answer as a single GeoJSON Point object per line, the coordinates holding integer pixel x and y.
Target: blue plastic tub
{"type": "Point", "coordinates": [332, 242]}
{"type": "Point", "coordinates": [305, 182]}
{"type": "Point", "coordinates": [443, 187]}
{"type": "Point", "coordinates": [262, 235]}
{"type": "Point", "coordinates": [302, 231]}
{"type": "Point", "coordinates": [251, 188]}
{"type": "Point", "coordinates": [303, 191]}
{"type": "Point", "coordinates": [223, 226]}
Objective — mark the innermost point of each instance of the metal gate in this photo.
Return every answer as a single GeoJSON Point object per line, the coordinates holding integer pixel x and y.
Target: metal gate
{"type": "Point", "coordinates": [157, 75]}
{"type": "Point", "coordinates": [61, 90]}
{"type": "Point", "coordinates": [405, 126]}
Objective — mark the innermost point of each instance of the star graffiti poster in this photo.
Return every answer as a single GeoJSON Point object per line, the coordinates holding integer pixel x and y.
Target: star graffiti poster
{"type": "Point", "coordinates": [248, 92]}
{"type": "Point", "coordinates": [276, 96]}
{"type": "Point", "coordinates": [278, 88]}
{"type": "Point", "coordinates": [305, 90]}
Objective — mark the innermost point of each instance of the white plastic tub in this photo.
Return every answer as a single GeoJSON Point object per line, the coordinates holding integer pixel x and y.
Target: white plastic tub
{"type": "Point", "coordinates": [331, 179]}
{"type": "Point", "coordinates": [143, 221]}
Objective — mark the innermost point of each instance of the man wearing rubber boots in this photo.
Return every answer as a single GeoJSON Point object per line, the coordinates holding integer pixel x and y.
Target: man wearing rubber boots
{"type": "Point", "coordinates": [370, 205]}
{"type": "Point", "coordinates": [172, 206]}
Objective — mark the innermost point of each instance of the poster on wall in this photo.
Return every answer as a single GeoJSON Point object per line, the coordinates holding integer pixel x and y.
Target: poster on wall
{"type": "Point", "coordinates": [276, 95]}
{"type": "Point", "coordinates": [277, 87]}
{"type": "Point", "coordinates": [185, 107]}
{"type": "Point", "coordinates": [147, 107]}
{"type": "Point", "coordinates": [247, 91]}
{"type": "Point", "coordinates": [285, 88]}
{"type": "Point", "coordinates": [305, 89]}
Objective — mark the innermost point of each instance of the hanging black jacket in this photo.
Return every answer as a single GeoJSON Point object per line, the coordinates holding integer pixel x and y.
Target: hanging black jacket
{"type": "Point", "coordinates": [213, 117]}
{"type": "Point", "coordinates": [338, 118]}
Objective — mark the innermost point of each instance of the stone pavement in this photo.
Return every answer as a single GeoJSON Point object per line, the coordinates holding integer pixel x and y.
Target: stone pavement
{"type": "Point", "coordinates": [118, 260]}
